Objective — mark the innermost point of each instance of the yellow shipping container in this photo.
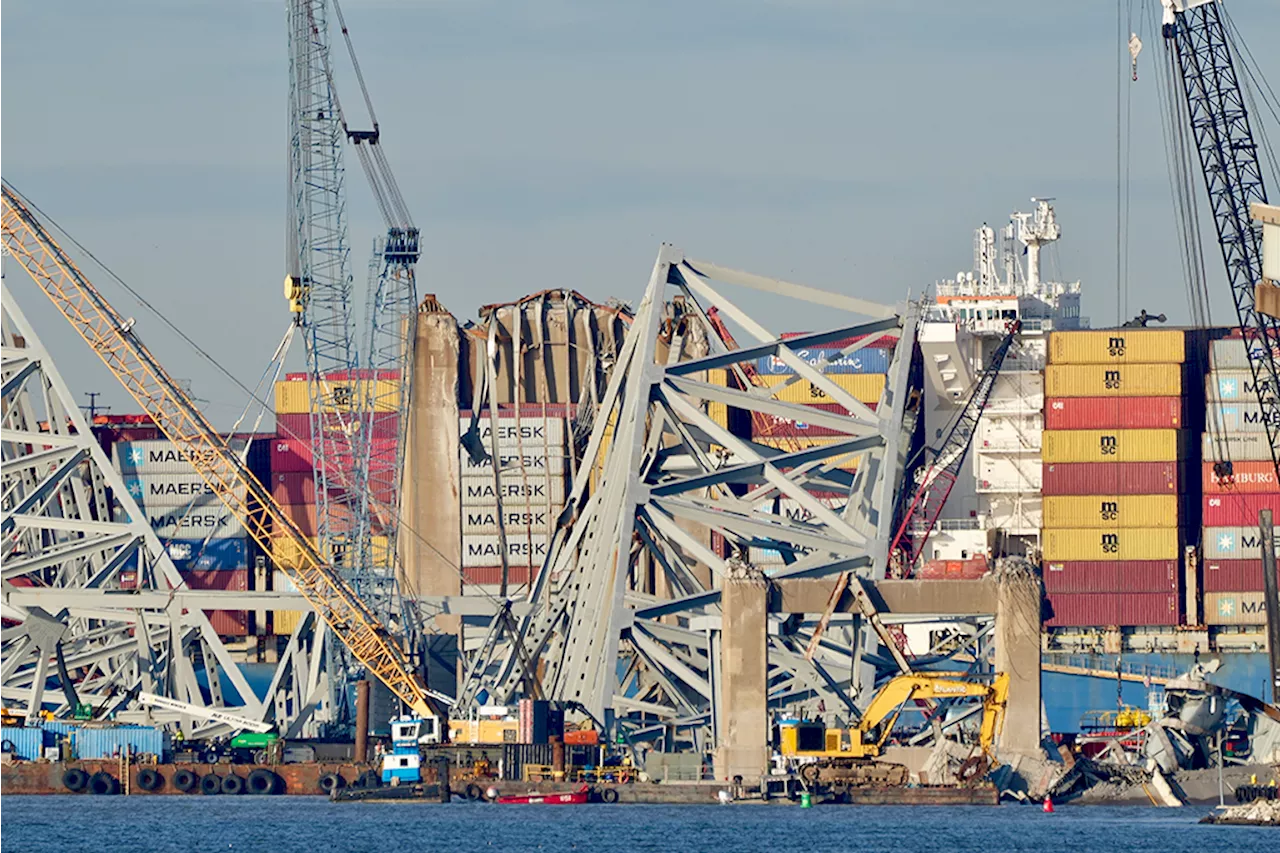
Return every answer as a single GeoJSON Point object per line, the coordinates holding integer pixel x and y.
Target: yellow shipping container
{"type": "Point", "coordinates": [865, 387]}
{"type": "Point", "coordinates": [1119, 346]}
{"type": "Point", "coordinates": [1113, 445]}
{"type": "Point", "coordinates": [292, 397]}
{"type": "Point", "coordinates": [1111, 511]}
{"type": "Point", "coordinates": [848, 461]}
{"type": "Point", "coordinates": [1075, 543]}
{"type": "Point", "coordinates": [1113, 380]}
{"type": "Point", "coordinates": [284, 553]}
{"type": "Point", "coordinates": [285, 622]}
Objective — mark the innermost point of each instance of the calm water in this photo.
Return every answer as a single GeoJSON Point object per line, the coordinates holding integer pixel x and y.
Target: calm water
{"type": "Point", "coordinates": [83, 824]}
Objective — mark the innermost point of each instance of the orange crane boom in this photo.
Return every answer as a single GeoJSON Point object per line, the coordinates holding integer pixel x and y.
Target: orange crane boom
{"type": "Point", "coordinates": [110, 336]}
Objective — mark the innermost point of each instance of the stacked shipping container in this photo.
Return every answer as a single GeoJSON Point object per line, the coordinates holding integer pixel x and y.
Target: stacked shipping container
{"type": "Point", "coordinates": [861, 372]}
{"type": "Point", "coordinates": [523, 500]}
{"type": "Point", "coordinates": [208, 545]}
{"type": "Point", "coordinates": [292, 478]}
{"type": "Point", "coordinates": [1234, 431]}
{"type": "Point", "coordinates": [1114, 451]}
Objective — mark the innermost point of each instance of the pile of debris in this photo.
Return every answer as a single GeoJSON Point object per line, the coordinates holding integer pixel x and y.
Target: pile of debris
{"type": "Point", "coordinates": [1257, 813]}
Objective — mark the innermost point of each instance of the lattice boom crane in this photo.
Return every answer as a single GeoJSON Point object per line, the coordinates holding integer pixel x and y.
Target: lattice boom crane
{"type": "Point", "coordinates": [112, 338]}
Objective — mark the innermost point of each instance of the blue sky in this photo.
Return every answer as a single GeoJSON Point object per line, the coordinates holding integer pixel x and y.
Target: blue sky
{"type": "Point", "coordinates": [848, 145]}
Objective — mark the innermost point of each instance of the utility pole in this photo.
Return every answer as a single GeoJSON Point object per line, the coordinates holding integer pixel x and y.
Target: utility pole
{"type": "Point", "coordinates": [93, 407]}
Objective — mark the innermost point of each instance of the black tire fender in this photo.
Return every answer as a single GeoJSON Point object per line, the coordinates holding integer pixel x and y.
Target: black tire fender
{"type": "Point", "coordinates": [609, 795]}
{"type": "Point", "coordinates": [75, 780]}
{"type": "Point", "coordinates": [210, 785]}
{"type": "Point", "coordinates": [103, 784]}
{"type": "Point", "coordinates": [186, 781]}
{"type": "Point", "coordinates": [149, 780]}
{"type": "Point", "coordinates": [232, 784]}
{"type": "Point", "coordinates": [369, 779]}
{"type": "Point", "coordinates": [330, 782]}
{"type": "Point", "coordinates": [474, 792]}
{"type": "Point", "coordinates": [264, 782]}
{"type": "Point", "coordinates": [6, 746]}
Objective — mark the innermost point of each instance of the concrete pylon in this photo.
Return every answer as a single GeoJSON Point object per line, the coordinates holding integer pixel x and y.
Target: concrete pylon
{"type": "Point", "coordinates": [744, 737]}
{"type": "Point", "coordinates": [1018, 596]}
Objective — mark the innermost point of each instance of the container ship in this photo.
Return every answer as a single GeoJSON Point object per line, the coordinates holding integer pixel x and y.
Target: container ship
{"type": "Point", "coordinates": [1095, 459]}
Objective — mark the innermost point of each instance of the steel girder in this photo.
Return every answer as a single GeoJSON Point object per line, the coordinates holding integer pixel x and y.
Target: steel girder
{"type": "Point", "coordinates": [624, 618]}
{"type": "Point", "coordinates": [94, 609]}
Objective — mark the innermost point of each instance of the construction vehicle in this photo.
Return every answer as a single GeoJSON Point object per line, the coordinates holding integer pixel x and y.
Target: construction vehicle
{"type": "Point", "coordinates": [113, 338]}
{"type": "Point", "coordinates": [848, 757]}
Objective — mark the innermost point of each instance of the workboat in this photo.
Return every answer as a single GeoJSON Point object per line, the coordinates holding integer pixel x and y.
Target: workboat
{"type": "Point", "coordinates": [535, 798]}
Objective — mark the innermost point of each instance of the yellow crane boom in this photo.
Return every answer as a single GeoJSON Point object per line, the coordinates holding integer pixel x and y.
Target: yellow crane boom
{"type": "Point", "coordinates": [110, 336]}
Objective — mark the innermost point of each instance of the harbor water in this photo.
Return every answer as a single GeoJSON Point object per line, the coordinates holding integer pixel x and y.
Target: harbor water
{"type": "Point", "coordinates": [305, 824]}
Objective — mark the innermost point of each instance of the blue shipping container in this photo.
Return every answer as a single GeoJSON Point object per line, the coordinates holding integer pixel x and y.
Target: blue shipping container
{"type": "Point", "coordinates": [196, 554]}
{"type": "Point", "coordinates": [865, 360]}
{"type": "Point", "coordinates": [56, 730]}
{"type": "Point", "coordinates": [25, 743]}
{"type": "Point", "coordinates": [108, 743]}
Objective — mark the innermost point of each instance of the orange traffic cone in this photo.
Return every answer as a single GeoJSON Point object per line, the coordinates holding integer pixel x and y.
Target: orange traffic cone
{"type": "Point", "coordinates": [1048, 805]}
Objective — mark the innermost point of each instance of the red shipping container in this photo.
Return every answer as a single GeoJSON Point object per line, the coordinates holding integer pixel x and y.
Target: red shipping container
{"type": "Point", "coordinates": [298, 426]}
{"type": "Point", "coordinates": [293, 488]}
{"type": "Point", "coordinates": [1250, 478]}
{"type": "Point", "coordinates": [966, 570]}
{"type": "Point", "coordinates": [1084, 609]}
{"type": "Point", "coordinates": [226, 580]}
{"type": "Point", "coordinates": [1102, 609]}
{"type": "Point", "coordinates": [1111, 576]}
{"type": "Point", "coordinates": [492, 575]}
{"type": "Point", "coordinates": [290, 455]}
{"type": "Point", "coordinates": [229, 623]}
{"type": "Point", "coordinates": [1112, 478]}
{"type": "Point", "coordinates": [1238, 510]}
{"type": "Point", "coordinates": [1113, 413]}
{"type": "Point", "coordinates": [1233, 576]}
{"type": "Point", "coordinates": [307, 519]}
{"type": "Point", "coordinates": [342, 375]}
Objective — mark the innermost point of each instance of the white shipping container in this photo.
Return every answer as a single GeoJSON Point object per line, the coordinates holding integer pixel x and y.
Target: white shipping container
{"type": "Point", "coordinates": [1229, 354]}
{"type": "Point", "coordinates": [1236, 417]}
{"type": "Point", "coordinates": [1238, 447]}
{"type": "Point", "coordinates": [541, 489]}
{"type": "Point", "coordinates": [532, 463]}
{"type": "Point", "coordinates": [1235, 608]}
{"type": "Point", "coordinates": [791, 509]}
{"type": "Point", "coordinates": [156, 456]}
{"type": "Point", "coordinates": [1231, 386]}
{"type": "Point", "coordinates": [530, 434]}
{"type": "Point", "coordinates": [1234, 543]}
{"type": "Point", "coordinates": [173, 490]}
{"type": "Point", "coordinates": [485, 550]}
{"type": "Point", "coordinates": [516, 519]}
{"type": "Point", "coordinates": [194, 522]}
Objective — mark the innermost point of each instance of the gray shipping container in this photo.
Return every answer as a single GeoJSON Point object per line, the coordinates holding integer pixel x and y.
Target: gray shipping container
{"type": "Point", "coordinates": [537, 489]}
{"type": "Point", "coordinates": [1229, 354]}
{"type": "Point", "coordinates": [486, 550]}
{"type": "Point", "coordinates": [1239, 446]}
{"type": "Point", "coordinates": [516, 755]}
{"type": "Point", "coordinates": [532, 462]}
{"type": "Point", "coordinates": [530, 434]}
{"type": "Point", "coordinates": [1236, 417]}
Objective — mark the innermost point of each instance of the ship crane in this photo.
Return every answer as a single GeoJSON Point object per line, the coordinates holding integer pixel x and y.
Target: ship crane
{"type": "Point", "coordinates": [170, 407]}
{"type": "Point", "coordinates": [1196, 35]}
{"type": "Point", "coordinates": [933, 482]}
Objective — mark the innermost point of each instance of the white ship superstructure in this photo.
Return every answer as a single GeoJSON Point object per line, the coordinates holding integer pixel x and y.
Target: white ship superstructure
{"type": "Point", "coordinates": [995, 506]}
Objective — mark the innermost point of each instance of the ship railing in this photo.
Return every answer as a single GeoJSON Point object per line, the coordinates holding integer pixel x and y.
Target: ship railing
{"type": "Point", "coordinates": [1107, 664]}
{"type": "Point", "coordinates": [946, 524]}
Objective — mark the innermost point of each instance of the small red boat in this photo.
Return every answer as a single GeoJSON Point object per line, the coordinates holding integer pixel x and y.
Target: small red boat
{"type": "Point", "coordinates": [534, 798]}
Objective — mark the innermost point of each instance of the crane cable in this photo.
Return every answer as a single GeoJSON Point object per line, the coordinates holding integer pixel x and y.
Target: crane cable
{"type": "Point", "coordinates": [204, 354]}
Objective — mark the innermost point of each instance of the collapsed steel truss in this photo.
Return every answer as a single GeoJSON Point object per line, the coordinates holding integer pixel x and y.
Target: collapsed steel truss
{"type": "Point", "coordinates": [95, 611]}
{"type": "Point", "coordinates": [623, 618]}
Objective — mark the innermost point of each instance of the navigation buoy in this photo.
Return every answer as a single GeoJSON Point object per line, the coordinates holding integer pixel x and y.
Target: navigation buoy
{"type": "Point", "coordinates": [1048, 805]}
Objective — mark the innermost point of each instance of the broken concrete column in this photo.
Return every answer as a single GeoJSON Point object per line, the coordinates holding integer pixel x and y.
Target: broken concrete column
{"type": "Point", "coordinates": [1018, 596]}
{"type": "Point", "coordinates": [431, 538]}
{"type": "Point", "coordinates": [744, 661]}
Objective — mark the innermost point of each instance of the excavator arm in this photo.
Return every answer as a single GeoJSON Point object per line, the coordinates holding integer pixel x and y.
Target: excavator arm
{"type": "Point", "coordinates": [111, 337]}
{"type": "Point", "coordinates": [881, 715]}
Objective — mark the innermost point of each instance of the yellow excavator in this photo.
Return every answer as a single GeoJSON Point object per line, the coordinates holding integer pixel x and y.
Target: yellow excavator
{"type": "Point", "coordinates": [848, 757]}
